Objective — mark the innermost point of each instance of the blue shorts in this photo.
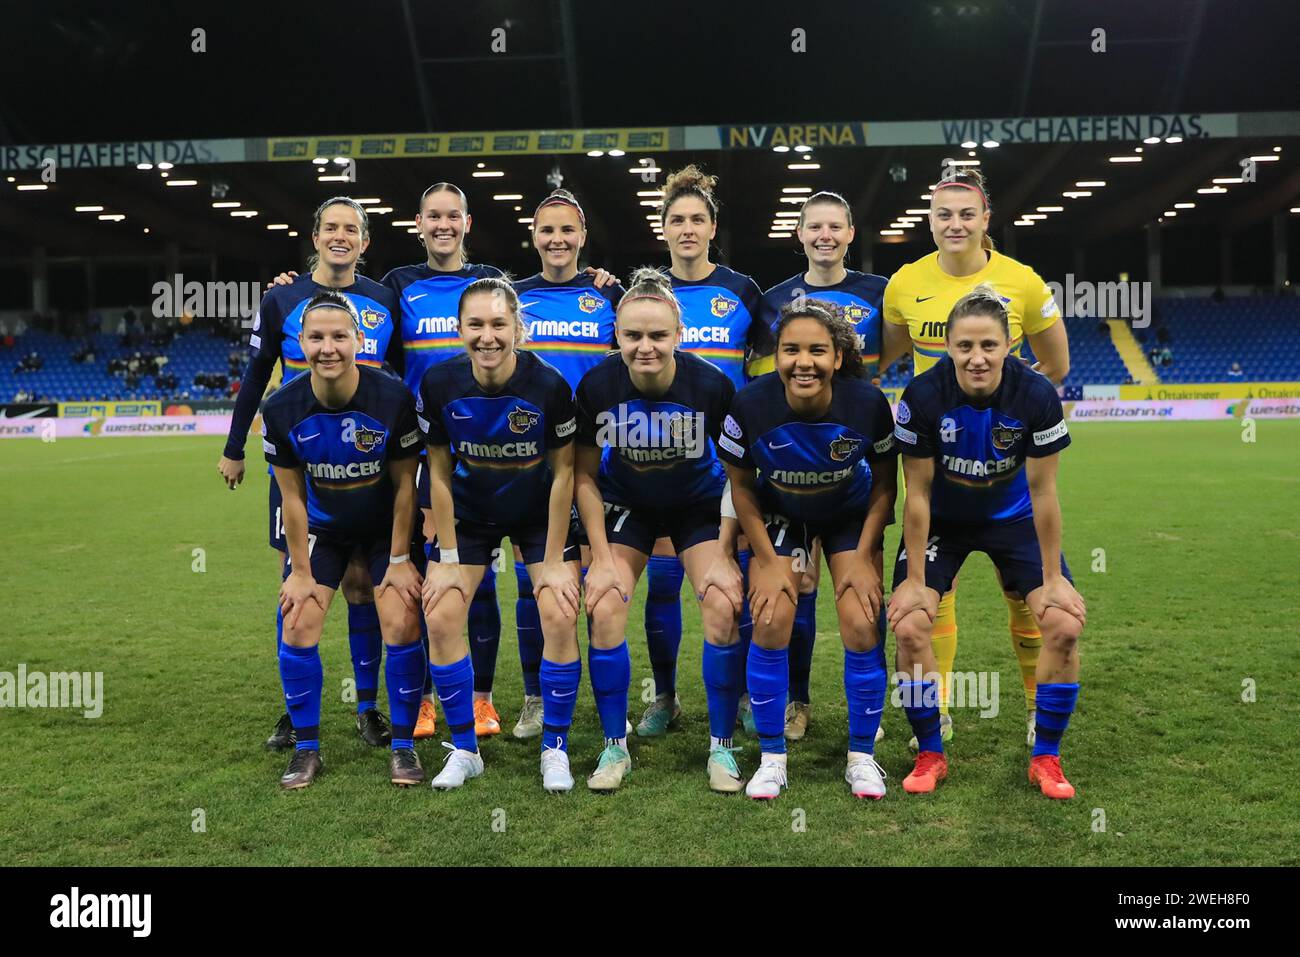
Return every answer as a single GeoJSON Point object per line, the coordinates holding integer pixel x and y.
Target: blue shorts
{"type": "Point", "coordinates": [840, 535]}
{"type": "Point", "coordinates": [686, 525]}
{"type": "Point", "coordinates": [331, 552]}
{"type": "Point", "coordinates": [274, 504]}
{"type": "Point", "coordinates": [1013, 549]}
{"type": "Point", "coordinates": [423, 498]}
{"type": "Point", "coordinates": [477, 541]}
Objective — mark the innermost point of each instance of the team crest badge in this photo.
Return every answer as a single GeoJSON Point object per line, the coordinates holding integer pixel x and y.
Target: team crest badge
{"type": "Point", "coordinates": [681, 428]}
{"type": "Point", "coordinates": [1005, 436]}
{"type": "Point", "coordinates": [855, 313]}
{"type": "Point", "coordinates": [589, 303]}
{"type": "Point", "coordinates": [722, 306]}
{"type": "Point", "coordinates": [843, 447]}
{"type": "Point", "coordinates": [521, 420]}
{"type": "Point", "coordinates": [371, 318]}
{"type": "Point", "coordinates": [368, 440]}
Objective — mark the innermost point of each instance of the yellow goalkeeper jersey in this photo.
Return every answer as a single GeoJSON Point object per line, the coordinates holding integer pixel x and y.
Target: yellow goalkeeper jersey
{"type": "Point", "coordinates": [920, 296]}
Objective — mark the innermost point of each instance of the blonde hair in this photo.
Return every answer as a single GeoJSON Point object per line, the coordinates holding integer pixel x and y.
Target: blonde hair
{"type": "Point", "coordinates": [649, 283]}
{"type": "Point", "coordinates": [983, 300]}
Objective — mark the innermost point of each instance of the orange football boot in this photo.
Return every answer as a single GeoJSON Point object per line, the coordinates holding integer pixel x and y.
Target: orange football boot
{"type": "Point", "coordinates": [1045, 771]}
{"type": "Point", "coordinates": [427, 724]}
{"type": "Point", "coordinates": [486, 720]}
{"type": "Point", "coordinates": [931, 768]}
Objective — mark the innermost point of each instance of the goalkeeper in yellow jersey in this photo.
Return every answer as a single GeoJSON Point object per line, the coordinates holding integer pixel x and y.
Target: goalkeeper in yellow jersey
{"type": "Point", "coordinates": [917, 302]}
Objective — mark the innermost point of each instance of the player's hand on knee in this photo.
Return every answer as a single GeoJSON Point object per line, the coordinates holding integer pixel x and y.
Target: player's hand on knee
{"type": "Point", "coordinates": [907, 598]}
{"type": "Point", "coordinates": [404, 578]}
{"type": "Point", "coordinates": [724, 575]}
{"type": "Point", "coordinates": [559, 578]}
{"type": "Point", "coordinates": [283, 279]}
{"type": "Point", "coordinates": [298, 589]}
{"type": "Point", "coordinates": [767, 583]}
{"type": "Point", "coordinates": [232, 470]}
{"type": "Point", "coordinates": [601, 578]}
{"type": "Point", "coordinates": [1059, 593]}
{"type": "Point", "coordinates": [442, 578]}
{"type": "Point", "coordinates": [867, 586]}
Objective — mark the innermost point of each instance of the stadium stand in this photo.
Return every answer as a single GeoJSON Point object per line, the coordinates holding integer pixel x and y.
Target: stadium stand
{"type": "Point", "coordinates": [1207, 337]}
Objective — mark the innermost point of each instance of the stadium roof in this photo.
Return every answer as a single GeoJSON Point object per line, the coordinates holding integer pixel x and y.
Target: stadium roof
{"type": "Point", "coordinates": [347, 69]}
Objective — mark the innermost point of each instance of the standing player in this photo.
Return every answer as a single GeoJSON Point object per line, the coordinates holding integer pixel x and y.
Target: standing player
{"type": "Point", "coordinates": [720, 319]}
{"type": "Point", "coordinates": [809, 453]}
{"type": "Point", "coordinates": [508, 419]}
{"type": "Point", "coordinates": [343, 442]}
{"type": "Point", "coordinates": [980, 435]}
{"type": "Point", "coordinates": [570, 322]}
{"type": "Point", "coordinates": [340, 234]}
{"type": "Point", "coordinates": [825, 231]}
{"type": "Point", "coordinates": [917, 302]}
{"type": "Point", "coordinates": [646, 469]}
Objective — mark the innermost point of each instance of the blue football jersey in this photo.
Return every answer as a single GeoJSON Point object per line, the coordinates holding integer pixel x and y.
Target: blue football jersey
{"type": "Point", "coordinates": [499, 439]}
{"type": "Point", "coordinates": [570, 324]}
{"type": "Point", "coordinates": [860, 298]}
{"type": "Point", "coordinates": [344, 452]}
{"type": "Point", "coordinates": [657, 452]}
{"type": "Point", "coordinates": [430, 304]}
{"type": "Point", "coordinates": [721, 318]}
{"type": "Point", "coordinates": [275, 337]}
{"type": "Point", "coordinates": [979, 447]}
{"type": "Point", "coordinates": [810, 470]}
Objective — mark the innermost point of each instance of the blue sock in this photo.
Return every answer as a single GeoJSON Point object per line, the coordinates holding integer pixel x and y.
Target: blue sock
{"type": "Point", "coordinates": [611, 674]}
{"type": "Point", "coordinates": [722, 668]}
{"type": "Point", "coordinates": [455, 684]}
{"type": "Point", "coordinates": [303, 680]}
{"type": "Point", "coordinates": [404, 675]}
{"type": "Point", "coordinates": [485, 631]}
{"type": "Point", "coordinates": [279, 631]}
{"type": "Point", "coordinates": [424, 643]}
{"type": "Point", "coordinates": [584, 578]}
{"type": "Point", "coordinates": [746, 619]}
{"type": "Point", "coordinates": [865, 682]}
{"type": "Point", "coordinates": [367, 646]}
{"type": "Point", "coordinates": [802, 637]}
{"type": "Point", "coordinates": [921, 704]}
{"type": "Point", "coordinates": [1052, 716]}
{"type": "Point", "coordinates": [558, 685]}
{"type": "Point", "coordinates": [663, 619]}
{"type": "Point", "coordinates": [528, 625]}
{"type": "Point", "coordinates": [769, 682]}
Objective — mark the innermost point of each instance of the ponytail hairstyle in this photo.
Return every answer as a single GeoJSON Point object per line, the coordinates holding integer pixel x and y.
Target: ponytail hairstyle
{"type": "Point", "coordinates": [829, 317]}
{"type": "Point", "coordinates": [560, 197]}
{"type": "Point", "coordinates": [647, 282]}
{"type": "Point", "coordinates": [967, 177]}
{"type": "Point", "coordinates": [689, 181]}
{"type": "Point", "coordinates": [333, 299]}
{"type": "Point", "coordinates": [983, 300]}
{"type": "Point", "coordinates": [826, 196]}
{"type": "Point", "coordinates": [464, 205]}
{"type": "Point", "coordinates": [501, 289]}
{"type": "Point", "coordinates": [314, 260]}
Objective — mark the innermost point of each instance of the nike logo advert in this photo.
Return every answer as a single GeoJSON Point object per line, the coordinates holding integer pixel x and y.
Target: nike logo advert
{"type": "Point", "coordinates": [877, 711]}
{"type": "Point", "coordinates": [775, 447]}
{"type": "Point", "coordinates": [449, 697]}
{"type": "Point", "coordinates": [413, 298]}
{"type": "Point", "coordinates": [525, 305]}
{"type": "Point", "coordinates": [924, 298]}
{"type": "Point", "coordinates": [290, 697]}
{"type": "Point", "coordinates": [455, 416]}
{"type": "Point", "coordinates": [567, 694]}
{"type": "Point", "coordinates": [366, 664]}
{"type": "Point", "coordinates": [305, 438]}
{"type": "Point", "coordinates": [755, 702]}
{"type": "Point", "coordinates": [409, 690]}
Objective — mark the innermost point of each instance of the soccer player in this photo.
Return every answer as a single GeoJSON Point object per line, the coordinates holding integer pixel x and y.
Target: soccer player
{"type": "Point", "coordinates": [810, 454]}
{"type": "Point", "coordinates": [646, 469]}
{"type": "Point", "coordinates": [825, 230]}
{"type": "Point", "coordinates": [343, 441]}
{"type": "Point", "coordinates": [570, 322]}
{"type": "Point", "coordinates": [508, 419]}
{"type": "Point", "coordinates": [980, 435]}
{"type": "Point", "coordinates": [917, 302]}
{"type": "Point", "coordinates": [720, 319]}
{"type": "Point", "coordinates": [340, 234]}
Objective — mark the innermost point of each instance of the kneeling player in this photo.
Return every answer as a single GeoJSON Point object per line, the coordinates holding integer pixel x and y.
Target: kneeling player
{"type": "Point", "coordinates": [980, 434]}
{"type": "Point", "coordinates": [508, 418]}
{"type": "Point", "coordinates": [809, 452]}
{"type": "Point", "coordinates": [343, 442]}
{"type": "Point", "coordinates": [646, 468]}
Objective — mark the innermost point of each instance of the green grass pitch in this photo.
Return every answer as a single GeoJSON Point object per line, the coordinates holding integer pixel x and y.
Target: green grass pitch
{"type": "Point", "coordinates": [1201, 540]}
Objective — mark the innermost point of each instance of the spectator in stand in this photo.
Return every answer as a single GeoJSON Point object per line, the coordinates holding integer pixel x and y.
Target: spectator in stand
{"type": "Point", "coordinates": [1217, 295]}
{"type": "Point", "coordinates": [1166, 357]}
{"type": "Point", "coordinates": [1236, 371]}
{"type": "Point", "coordinates": [1103, 327]}
{"type": "Point", "coordinates": [234, 388]}
{"type": "Point", "coordinates": [1154, 355]}
{"type": "Point", "coordinates": [1162, 334]}
{"type": "Point", "coordinates": [1128, 379]}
